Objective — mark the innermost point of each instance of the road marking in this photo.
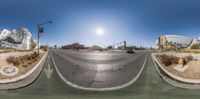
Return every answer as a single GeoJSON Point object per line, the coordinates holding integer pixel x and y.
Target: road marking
{"type": "Point", "coordinates": [48, 71]}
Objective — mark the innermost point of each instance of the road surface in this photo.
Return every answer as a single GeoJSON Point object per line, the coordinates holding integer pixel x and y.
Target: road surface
{"type": "Point", "coordinates": [148, 86]}
{"type": "Point", "coordinates": [98, 69]}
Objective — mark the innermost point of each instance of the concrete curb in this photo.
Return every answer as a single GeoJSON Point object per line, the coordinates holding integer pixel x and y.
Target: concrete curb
{"type": "Point", "coordinates": [99, 89]}
{"type": "Point", "coordinates": [173, 81]}
{"type": "Point", "coordinates": [21, 77]}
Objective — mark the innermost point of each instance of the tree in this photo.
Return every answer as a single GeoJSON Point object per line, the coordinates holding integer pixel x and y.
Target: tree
{"type": "Point", "coordinates": [44, 47]}
{"type": "Point", "coordinates": [195, 46]}
{"type": "Point", "coordinates": [55, 46]}
{"type": "Point", "coordinates": [33, 44]}
{"type": "Point", "coordinates": [109, 47]}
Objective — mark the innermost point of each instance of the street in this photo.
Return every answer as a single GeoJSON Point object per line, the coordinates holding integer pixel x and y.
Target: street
{"type": "Point", "coordinates": [148, 86]}
{"type": "Point", "coordinates": [98, 69]}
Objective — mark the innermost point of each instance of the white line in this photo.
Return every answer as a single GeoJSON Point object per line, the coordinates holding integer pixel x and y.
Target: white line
{"type": "Point", "coordinates": [100, 89]}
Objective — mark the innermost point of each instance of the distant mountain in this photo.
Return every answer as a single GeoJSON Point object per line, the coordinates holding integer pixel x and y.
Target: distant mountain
{"type": "Point", "coordinates": [19, 38]}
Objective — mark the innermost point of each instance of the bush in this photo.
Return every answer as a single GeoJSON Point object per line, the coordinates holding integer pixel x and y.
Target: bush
{"type": "Point", "coordinates": [195, 46]}
{"type": "Point", "coordinates": [16, 61]}
{"type": "Point", "coordinates": [10, 59]}
{"type": "Point", "coordinates": [34, 55]}
{"type": "Point", "coordinates": [185, 61]}
{"type": "Point", "coordinates": [44, 47]}
{"type": "Point", "coordinates": [25, 65]}
{"type": "Point", "coordinates": [189, 58]}
{"type": "Point", "coordinates": [168, 60]}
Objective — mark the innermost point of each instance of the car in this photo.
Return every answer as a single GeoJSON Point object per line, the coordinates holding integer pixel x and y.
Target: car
{"type": "Point", "coordinates": [130, 51]}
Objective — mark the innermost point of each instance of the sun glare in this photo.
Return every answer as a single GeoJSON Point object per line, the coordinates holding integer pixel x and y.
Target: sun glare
{"type": "Point", "coordinates": [100, 31]}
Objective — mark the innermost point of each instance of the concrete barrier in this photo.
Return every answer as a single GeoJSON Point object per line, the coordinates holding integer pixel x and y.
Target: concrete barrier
{"type": "Point", "coordinates": [21, 77]}
{"type": "Point", "coordinates": [178, 78]}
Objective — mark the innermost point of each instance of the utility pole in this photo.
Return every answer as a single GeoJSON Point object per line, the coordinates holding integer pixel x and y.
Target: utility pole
{"type": "Point", "coordinates": [40, 30]}
{"type": "Point", "coordinates": [113, 46]}
{"type": "Point", "coordinates": [38, 39]}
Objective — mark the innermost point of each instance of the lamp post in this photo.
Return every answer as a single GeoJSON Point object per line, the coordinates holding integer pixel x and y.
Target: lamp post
{"type": "Point", "coordinates": [40, 31]}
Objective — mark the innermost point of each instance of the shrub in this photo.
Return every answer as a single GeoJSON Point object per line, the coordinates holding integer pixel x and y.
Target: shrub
{"type": "Point", "coordinates": [195, 46]}
{"type": "Point", "coordinates": [30, 63]}
{"type": "Point", "coordinates": [14, 60]}
{"type": "Point", "coordinates": [25, 65]}
{"type": "Point", "coordinates": [10, 59]}
{"type": "Point", "coordinates": [189, 58]}
{"type": "Point", "coordinates": [23, 59]}
{"type": "Point", "coordinates": [34, 55]}
{"type": "Point", "coordinates": [168, 60]}
{"type": "Point", "coordinates": [185, 62]}
{"type": "Point", "coordinates": [44, 47]}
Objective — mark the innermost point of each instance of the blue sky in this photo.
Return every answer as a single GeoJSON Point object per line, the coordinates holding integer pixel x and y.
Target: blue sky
{"type": "Point", "coordinates": [139, 22]}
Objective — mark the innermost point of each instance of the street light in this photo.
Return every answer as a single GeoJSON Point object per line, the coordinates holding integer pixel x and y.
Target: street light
{"type": "Point", "coordinates": [40, 31]}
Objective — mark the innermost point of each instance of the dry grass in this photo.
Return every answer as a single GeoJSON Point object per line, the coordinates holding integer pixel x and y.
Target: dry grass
{"type": "Point", "coordinates": [5, 51]}
{"type": "Point", "coordinates": [23, 50]}
{"type": "Point", "coordinates": [8, 51]}
{"type": "Point", "coordinates": [189, 51]}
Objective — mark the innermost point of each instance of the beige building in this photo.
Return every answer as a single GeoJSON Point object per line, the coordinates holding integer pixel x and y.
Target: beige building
{"type": "Point", "coordinates": [168, 42]}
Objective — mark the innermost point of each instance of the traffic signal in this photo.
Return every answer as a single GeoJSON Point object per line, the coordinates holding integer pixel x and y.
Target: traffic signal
{"type": "Point", "coordinates": [41, 30]}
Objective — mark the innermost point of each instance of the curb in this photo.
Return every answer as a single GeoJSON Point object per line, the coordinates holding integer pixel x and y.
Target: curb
{"type": "Point", "coordinates": [99, 89]}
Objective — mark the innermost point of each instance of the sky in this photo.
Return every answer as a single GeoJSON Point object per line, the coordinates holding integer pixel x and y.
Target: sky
{"type": "Point", "coordinates": [139, 22]}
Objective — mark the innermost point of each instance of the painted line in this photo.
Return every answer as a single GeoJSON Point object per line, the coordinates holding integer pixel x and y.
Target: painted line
{"type": "Point", "coordinates": [100, 89]}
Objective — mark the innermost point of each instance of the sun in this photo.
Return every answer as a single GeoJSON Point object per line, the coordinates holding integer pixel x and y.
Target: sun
{"type": "Point", "coordinates": [100, 31]}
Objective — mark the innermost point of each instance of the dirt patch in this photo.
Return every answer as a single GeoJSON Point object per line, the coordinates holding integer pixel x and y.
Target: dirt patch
{"type": "Point", "coordinates": [23, 63]}
{"type": "Point", "coordinates": [192, 72]}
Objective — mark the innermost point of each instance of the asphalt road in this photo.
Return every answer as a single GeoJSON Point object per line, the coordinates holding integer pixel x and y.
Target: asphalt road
{"type": "Point", "coordinates": [148, 86]}
{"type": "Point", "coordinates": [98, 69]}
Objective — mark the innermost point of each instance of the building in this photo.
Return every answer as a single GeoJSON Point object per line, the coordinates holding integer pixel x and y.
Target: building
{"type": "Point", "coordinates": [175, 42]}
{"type": "Point", "coordinates": [20, 39]}
{"type": "Point", "coordinates": [95, 47]}
{"type": "Point", "coordinates": [74, 46]}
